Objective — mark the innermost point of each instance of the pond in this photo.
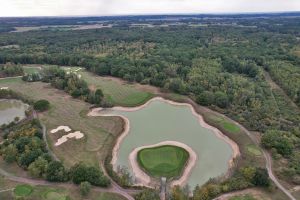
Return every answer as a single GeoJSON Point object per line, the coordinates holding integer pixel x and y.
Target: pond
{"type": "Point", "coordinates": [160, 121]}
{"type": "Point", "coordinates": [10, 109]}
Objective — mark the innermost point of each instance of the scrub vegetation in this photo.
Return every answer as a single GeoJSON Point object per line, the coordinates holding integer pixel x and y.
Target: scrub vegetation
{"type": "Point", "coordinates": [164, 161]}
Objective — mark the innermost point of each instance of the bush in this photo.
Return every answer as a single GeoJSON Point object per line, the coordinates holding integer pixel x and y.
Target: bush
{"type": "Point", "coordinates": [261, 178]}
{"type": "Point", "coordinates": [56, 172]}
{"type": "Point", "coordinates": [80, 173]}
{"type": "Point", "coordinates": [41, 105]}
{"type": "Point", "coordinates": [85, 188]}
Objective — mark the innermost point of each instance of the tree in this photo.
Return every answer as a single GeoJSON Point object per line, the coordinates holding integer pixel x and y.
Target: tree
{"type": "Point", "coordinates": [280, 140]}
{"type": "Point", "coordinates": [56, 172]}
{"type": "Point", "coordinates": [81, 172]}
{"type": "Point", "coordinates": [206, 98]}
{"type": "Point", "coordinates": [41, 105]}
{"type": "Point", "coordinates": [221, 99]}
{"type": "Point", "coordinates": [261, 178]}
{"type": "Point", "coordinates": [85, 188]}
{"type": "Point", "coordinates": [38, 168]}
{"type": "Point", "coordinates": [9, 153]}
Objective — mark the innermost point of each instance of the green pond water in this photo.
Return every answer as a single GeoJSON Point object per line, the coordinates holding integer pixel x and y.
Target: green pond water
{"type": "Point", "coordinates": [9, 109]}
{"type": "Point", "coordinates": [161, 121]}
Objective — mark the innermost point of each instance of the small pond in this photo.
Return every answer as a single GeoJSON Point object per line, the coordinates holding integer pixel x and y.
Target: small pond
{"type": "Point", "coordinates": [10, 109]}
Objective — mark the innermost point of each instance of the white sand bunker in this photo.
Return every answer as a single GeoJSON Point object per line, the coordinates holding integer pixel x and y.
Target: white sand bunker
{"type": "Point", "coordinates": [77, 135]}
{"type": "Point", "coordinates": [64, 128]}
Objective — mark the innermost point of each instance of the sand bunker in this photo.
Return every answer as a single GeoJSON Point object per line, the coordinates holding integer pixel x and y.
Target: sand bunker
{"type": "Point", "coordinates": [77, 135]}
{"type": "Point", "coordinates": [64, 128]}
{"type": "Point", "coordinates": [143, 179]}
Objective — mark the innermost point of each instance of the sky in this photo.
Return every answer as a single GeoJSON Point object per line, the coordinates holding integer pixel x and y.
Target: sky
{"type": "Point", "coordinates": [125, 7]}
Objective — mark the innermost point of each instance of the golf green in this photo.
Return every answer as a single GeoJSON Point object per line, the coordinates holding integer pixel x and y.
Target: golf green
{"type": "Point", "coordinates": [163, 161]}
{"type": "Point", "coordinates": [23, 190]}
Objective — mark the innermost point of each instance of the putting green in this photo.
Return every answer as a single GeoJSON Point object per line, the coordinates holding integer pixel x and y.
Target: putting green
{"type": "Point", "coordinates": [23, 190]}
{"type": "Point", "coordinates": [163, 161]}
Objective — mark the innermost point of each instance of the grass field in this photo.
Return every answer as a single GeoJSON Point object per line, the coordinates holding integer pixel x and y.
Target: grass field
{"type": "Point", "coordinates": [117, 92]}
{"type": "Point", "coordinates": [164, 161]}
{"type": "Point", "coordinates": [23, 190]}
{"type": "Point", "coordinates": [100, 132]}
{"type": "Point", "coordinates": [226, 125]}
{"type": "Point", "coordinates": [254, 150]}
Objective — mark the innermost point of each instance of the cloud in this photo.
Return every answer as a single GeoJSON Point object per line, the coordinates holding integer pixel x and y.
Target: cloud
{"type": "Point", "coordinates": [119, 7]}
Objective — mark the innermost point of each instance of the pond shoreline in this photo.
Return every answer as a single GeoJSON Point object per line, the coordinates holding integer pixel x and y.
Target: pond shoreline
{"type": "Point", "coordinates": [96, 112]}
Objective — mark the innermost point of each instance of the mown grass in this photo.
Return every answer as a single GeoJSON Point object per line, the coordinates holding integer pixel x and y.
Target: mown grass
{"type": "Point", "coordinates": [254, 150]}
{"type": "Point", "coordinates": [164, 161]}
{"type": "Point", "coordinates": [23, 190]}
{"type": "Point", "coordinates": [117, 92]}
{"type": "Point", "coordinates": [226, 125]}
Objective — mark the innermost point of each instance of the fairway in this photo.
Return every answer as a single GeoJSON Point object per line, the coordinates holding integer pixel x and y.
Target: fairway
{"type": "Point", "coordinates": [164, 161]}
{"type": "Point", "coordinates": [117, 92]}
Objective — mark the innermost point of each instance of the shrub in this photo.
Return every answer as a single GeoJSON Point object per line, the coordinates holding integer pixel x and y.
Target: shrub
{"type": "Point", "coordinates": [85, 188]}
{"type": "Point", "coordinates": [41, 105]}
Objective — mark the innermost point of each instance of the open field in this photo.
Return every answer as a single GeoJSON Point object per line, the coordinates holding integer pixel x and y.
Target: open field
{"type": "Point", "coordinates": [164, 161]}
{"type": "Point", "coordinates": [99, 131]}
{"type": "Point", "coordinates": [117, 92]}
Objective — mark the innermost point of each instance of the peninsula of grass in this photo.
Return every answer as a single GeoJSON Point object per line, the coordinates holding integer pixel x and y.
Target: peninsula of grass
{"type": "Point", "coordinates": [163, 161]}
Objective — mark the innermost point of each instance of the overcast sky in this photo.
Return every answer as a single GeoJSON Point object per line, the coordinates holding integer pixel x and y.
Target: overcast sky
{"type": "Point", "coordinates": [122, 7]}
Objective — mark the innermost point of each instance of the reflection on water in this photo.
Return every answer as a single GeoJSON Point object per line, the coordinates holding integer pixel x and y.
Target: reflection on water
{"type": "Point", "coordinates": [10, 109]}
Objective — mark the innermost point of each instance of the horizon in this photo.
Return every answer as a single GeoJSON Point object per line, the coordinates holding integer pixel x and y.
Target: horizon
{"type": "Point", "coordinates": [74, 8]}
{"type": "Point", "coordinates": [161, 14]}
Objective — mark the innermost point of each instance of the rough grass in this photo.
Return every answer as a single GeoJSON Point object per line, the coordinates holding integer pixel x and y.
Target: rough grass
{"type": "Point", "coordinates": [53, 195]}
{"type": "Point", "coordinates": [100, 132]}
{"type": "Point", "coordinates": [23, 190]}
{"type": "Point", "coordinates": [116, 91]}
{"type": "Point", "coordinates": [164, 161]}
{"type": "Point", "coordinates": [226, 125]}
{"type": "Point", "coordinates": [254, 150]}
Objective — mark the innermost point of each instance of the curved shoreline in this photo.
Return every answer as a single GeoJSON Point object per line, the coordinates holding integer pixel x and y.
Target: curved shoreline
{"type": "Point", "coordinates": [144, 179]}
{"type": "Point", "coordinates": [96, 112]}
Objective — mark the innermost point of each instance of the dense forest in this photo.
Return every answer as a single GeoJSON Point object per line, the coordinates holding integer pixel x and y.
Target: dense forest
{"type": "Point", "coordinates": [221, 63]}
